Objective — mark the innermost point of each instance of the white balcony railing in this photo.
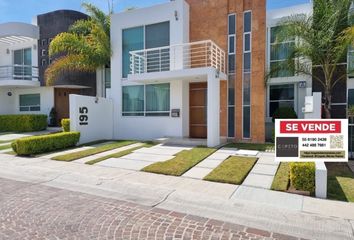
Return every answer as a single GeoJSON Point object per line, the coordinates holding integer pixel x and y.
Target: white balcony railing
{"type": "Point", "coordinates": [177, 57]}
{"type": "Point", "coordinates": [19, 72]}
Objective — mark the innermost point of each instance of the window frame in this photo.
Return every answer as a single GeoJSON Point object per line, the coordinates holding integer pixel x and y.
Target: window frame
{"type": "Point", "coordinates": [272, 44]}
{"type": "Point", "coordinates": [269, 101]}
{"type": "Point", "coordinates": [144, 40]}
{"type": "Point", "coordinates": [20, 107]}
{"type": "Point", "coordinates": [146, 113]}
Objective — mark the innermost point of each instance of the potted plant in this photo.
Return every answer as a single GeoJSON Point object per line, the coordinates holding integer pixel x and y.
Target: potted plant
{"type": "Point", "coordinates": [53, 118]}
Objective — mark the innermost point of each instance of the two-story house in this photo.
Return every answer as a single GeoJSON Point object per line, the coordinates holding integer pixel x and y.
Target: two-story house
{"type": "Point", "coordinates": [23, 60]}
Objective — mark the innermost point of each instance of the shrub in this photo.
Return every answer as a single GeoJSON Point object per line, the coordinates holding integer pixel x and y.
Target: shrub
{"type": "Point", "coordinates": [284, 113]}
{"type": "Point", "coordinates": [302, 176]}
{"type": "Point", "coordinates": [45, 143]}
{"type": "Point", "coordinates": [65, 124]}
{"type": "Point", "coordinates": [23, 123]}
{"type": "Point", "coordinates": [351, 110]}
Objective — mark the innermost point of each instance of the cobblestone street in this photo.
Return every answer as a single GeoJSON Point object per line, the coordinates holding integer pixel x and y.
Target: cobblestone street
{"type": "Point", "coordinates": [32, 211]}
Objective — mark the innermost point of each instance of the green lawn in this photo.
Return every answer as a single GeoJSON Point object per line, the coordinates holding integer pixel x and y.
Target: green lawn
{"type": "Point", "coordinates": [183, 161]}
{"type": "Point", "coordinates": [252, 146]}
{"type": "Point", "coordinates": [119, 154]}
{"type": "Point", "coordinates": [89, 152]}
{"type": "Point", "coordinates": [282, 178]}
{"type": "Point", "coordinates": [233, 170]}
{"type": "Point", "coordinates": [340, 185]}
{"type": "Point", "coordinates": [5, 146]}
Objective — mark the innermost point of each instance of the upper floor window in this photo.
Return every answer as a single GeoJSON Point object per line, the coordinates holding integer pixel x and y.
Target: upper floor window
{"type": "Point", "coordinates": [280, 51]}
{"type": "Point", "coordinates": [145, 37]}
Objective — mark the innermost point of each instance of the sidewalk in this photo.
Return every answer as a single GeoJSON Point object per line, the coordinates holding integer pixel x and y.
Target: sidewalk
{"type": "Point", "coordinates": [279, 212]}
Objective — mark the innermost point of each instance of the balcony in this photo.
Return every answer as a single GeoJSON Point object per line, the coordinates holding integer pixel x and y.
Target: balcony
{"type": "Point", "coordinates": [193, 55]}
{"type": "Point", "coordinates": [19, 75]}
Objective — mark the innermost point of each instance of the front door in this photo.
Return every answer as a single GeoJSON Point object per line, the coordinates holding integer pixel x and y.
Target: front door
{"type": "Point", "coordinates": [61, 101]}
{"type": "Point", "coordinates": [198, 110]}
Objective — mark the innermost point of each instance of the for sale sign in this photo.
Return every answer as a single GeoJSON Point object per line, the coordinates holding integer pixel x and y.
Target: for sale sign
{"type": "Point", "coordinates": [304, 140]}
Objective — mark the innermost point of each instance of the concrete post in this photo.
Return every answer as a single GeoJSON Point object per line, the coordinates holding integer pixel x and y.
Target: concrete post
{"type": "Point", "coordinates": [321, 180]}
{"type": "Point", "coordinates": [213, 111]}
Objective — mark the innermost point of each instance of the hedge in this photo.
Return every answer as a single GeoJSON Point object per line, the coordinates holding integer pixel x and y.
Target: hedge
{"type": "Point", "coordinates": [23, 123]}
{"type": "Point", "coordinates": [65, 124]}
{"type": "Point", "coordinates": [45, 143]}
{"type": "Point", "coordinates": [302, 176]}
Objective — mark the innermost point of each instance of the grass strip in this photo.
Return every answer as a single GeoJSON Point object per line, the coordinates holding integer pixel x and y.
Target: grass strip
{"type": "Point", "coordinates": [233, 170]}
{"type": "Point", "coordinates": [263, 147]}
{"type": "Point", "coordinates": [282, 178]}
{"type": "Point", "coordinates": [119, 154]}
{"type": "Point", "coordinates": [180, 164]}
{"type": "Point", "coordinates": [89, 152]}
{"type": "Point", "coordinates": [340, 182]}
{"type": "Point", "coordinates": [3, 147]}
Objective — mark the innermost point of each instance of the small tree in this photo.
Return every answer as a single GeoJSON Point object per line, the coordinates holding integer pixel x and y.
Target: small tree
{"type": "Point", "coordinates": [85, 47]}
{"type": "Point", "coordinates": [323, 39]}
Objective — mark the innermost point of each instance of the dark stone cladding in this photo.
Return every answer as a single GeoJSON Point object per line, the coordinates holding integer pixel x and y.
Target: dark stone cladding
{"type": "Point", "coordinates": [50, 25]}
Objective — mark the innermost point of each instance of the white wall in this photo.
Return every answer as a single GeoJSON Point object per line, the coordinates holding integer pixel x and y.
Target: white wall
{"type": "Point", "coordinates": [10, 104]}
{"type": "Point", "coordinates": [148, 127]}
{"type": "Point", "coordinates": [7, 103]}
{"type": "Point", "coordinates": [99, 113]}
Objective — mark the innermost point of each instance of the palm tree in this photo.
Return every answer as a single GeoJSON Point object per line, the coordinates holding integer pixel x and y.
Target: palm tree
{"type": "Point", "coordinates": [85, 47]}
{"type": "Point", "coordinates": [322, 42]}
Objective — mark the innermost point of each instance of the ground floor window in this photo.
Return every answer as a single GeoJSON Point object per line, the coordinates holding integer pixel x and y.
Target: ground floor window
{"type": "Point", "coordinates": [146, 100]}
{"type": "Point", "coordinates": [281, 96]}
{"type": "Point", "coordinates": [30, 102]}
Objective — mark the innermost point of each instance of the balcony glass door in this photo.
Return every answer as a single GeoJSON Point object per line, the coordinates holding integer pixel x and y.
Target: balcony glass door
{"type": "Point", "coordinates": [22, 62]}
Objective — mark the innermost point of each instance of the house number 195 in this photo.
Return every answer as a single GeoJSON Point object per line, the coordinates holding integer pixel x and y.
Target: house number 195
{"type": "Point", "coordinates": [83, 118]}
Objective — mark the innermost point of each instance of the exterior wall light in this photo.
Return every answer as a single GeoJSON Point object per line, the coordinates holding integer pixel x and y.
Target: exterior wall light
{"type": "Point", "coordinates": [9, 94]}
{"type": "Point", "coordinates": [7, 51]}
{"type": "Point", "coordinates": [34, 46]}
{"type": "Point", "coordinates": [176, 15]}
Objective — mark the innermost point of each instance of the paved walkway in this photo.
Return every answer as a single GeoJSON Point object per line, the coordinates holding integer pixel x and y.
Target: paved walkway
{"type": "Point", "coordinates": [203, 168]}
{"type": "Point", "coordinates": [143, 157]}
{"type": "Point", "coordinates": [207, 165]}
{"type": "Point", "coordinates": [106, 153]}
{"type": "Point", "coordinates": [51, 213]}
{"type": "Point", "coordinates": [14, 136]}
{"type": "Point", "coordinates": [272, 211]}
{"type": "Point", "coordinates": [263, 172]}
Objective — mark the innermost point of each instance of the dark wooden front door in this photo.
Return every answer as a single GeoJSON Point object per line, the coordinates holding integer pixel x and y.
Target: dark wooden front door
{"type": "Point", "coordinates": [198, 110]}
{"type": "Point", "coordinates": [61, 101]}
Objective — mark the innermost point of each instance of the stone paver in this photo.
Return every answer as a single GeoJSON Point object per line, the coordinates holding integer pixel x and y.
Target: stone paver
{"type": "Point", "coordinates": [6, 150]}
{"type": "Point", "coordinates": [143, 157]}
{"type": "Point", "coordinates": [258, 180]}
{"type": "Point", "coordinates": [13, 136]}
{"type": "Point", "coordinates": [198, 172]}
{"type": "Point", "coordinates": [207, 165]}
{"type": "Point", "coordinates": [51, 213]}
{"type": "Point", "coordinates": [265, 169]}
{"type": "Point", "coordinates": [4, 144]}
{"type": "Point", "coordinates": [103, 154]}
{"type": "Point", "coordinates": [263, 172]}
{"type": "Point", "coordinates": [49, 156]}
{"type": "Point", "coordinates": [247, 152]}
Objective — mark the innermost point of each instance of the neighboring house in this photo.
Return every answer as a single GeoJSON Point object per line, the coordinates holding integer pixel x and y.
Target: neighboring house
{"type": "Point", "coordinates": [24, 59]}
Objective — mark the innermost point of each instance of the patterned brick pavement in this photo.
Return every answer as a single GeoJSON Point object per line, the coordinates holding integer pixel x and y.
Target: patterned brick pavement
{"type": "Point", "coordinates": [32, 211]}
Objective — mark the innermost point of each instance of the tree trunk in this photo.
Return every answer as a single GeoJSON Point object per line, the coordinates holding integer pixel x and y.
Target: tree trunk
{"type": "Point", "coordinates": [327, 103]}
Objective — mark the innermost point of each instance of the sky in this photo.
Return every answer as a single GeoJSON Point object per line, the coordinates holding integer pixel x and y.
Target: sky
{"type": "Point", "coordinates": [25, 10]}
